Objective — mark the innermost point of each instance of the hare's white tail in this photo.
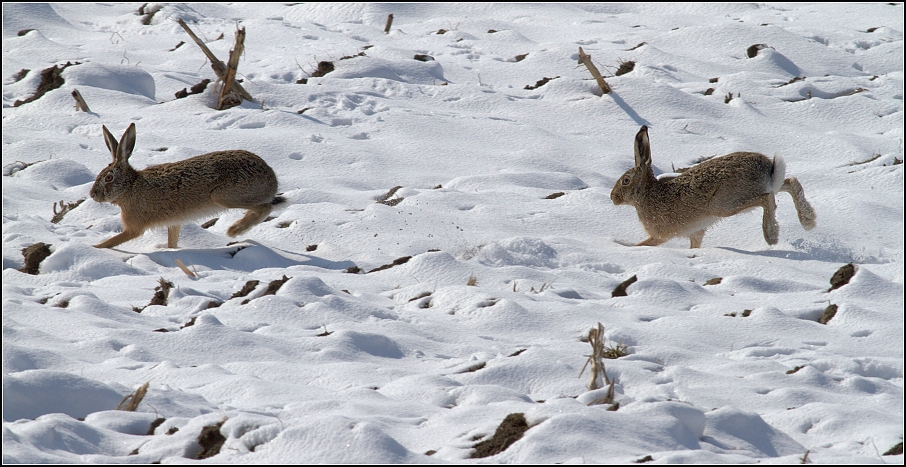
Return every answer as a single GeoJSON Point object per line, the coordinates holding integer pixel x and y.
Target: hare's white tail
{"type": "Point", "coordinates": [779, 174]}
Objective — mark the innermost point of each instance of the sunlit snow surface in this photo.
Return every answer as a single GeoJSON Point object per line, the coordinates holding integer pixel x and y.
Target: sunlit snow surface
{"type": "Point", "coordinates": [476, 155]}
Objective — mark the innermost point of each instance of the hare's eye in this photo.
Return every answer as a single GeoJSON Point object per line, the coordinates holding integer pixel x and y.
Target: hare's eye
{"type": "Point", "coordinates": [108, 178]}
{"type": "Point", "coordinates": [626, 181]}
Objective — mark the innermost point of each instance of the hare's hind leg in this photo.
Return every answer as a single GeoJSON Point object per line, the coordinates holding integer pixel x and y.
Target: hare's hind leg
{"type": "Point", "coordinates": [252, 216]}
{"type": "Point", "coordinates": [173, 235]}
{"type": "Point", "coordinates": [803, 208]}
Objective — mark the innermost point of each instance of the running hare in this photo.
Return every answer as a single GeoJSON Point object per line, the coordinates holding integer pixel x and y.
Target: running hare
{"type": "Point", "coordinates": [686, 205]}
{"type": "Point", "coordinates": [174, 193]}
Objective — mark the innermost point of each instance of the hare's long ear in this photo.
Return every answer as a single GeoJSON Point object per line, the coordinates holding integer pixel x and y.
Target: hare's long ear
{"type": "Point", "coordinates": [127, 144]}
{"type": "Point", "coordinates": [642, 149]}
{"type": "Point", "coordinates": [111, 142]}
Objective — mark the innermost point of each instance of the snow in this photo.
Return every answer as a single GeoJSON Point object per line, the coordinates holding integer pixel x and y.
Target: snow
{"type": "Point", "coordinates": [409, 363]}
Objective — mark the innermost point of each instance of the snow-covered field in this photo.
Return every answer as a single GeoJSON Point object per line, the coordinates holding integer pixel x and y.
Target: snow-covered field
{"type": "Point", "coordinates": [422, 360]}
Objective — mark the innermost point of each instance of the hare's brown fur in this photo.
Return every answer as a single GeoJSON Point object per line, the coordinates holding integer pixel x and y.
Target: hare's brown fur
{"type": "Point", "coordinates": [686, 205]}
{"type": "Point", "coordinates": [178, 192]}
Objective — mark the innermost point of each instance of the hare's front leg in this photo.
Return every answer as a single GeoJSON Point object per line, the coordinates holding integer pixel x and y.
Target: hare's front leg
{"type": "Point", "coordinates": [695, 240]}
{"type": "Point", "coordinates": [650, 241]}
{"type": "Point", "coordinates": [173, 235]}
{"type": "Point", "coordinates": [121, 237]}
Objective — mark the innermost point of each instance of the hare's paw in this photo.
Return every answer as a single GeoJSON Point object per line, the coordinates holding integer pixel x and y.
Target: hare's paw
{"type": "Point", "coordinates": [651, 241]}
{"type": "Point", "coordinates": [807, 218]}
{"type": "Point", "coordinates": [235, 230]}
{"type": "Point", "coordinates": [807, 224]}
{"type": "Point", "coordinates": [771, 232]}
{"type": "Point", "coordinates": [252, 217]}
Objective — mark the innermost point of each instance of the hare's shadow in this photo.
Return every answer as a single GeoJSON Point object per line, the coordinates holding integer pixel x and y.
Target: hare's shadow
{"type": "Point", "coordinates": [807, 251]}
{"type": "Point", "coordinates": [246, 256]}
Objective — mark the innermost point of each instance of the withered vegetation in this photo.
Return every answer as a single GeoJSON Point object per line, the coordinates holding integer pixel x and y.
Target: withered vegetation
{"type": "Point", "coordinates": [386, 198]}
{"type": "Point", "coordinates": [395, 262]}
{"type": "Point", "coordinates": [246, 289]}
{"type": "Point", "coordinates": [508, 432]}
{"type": "Point", "coordinates": [828, 314]}
{"type": "Point", "coordinates": [842, 276]}
{"type": "Point", "coordinates": [620, 290]}
{"type": "Point", "coordinates": [211, 440]}
{"type": "Point", "coordinates": [33, 255]}
{"type": "Point", "coordinates": [51, 78]}
{"type": "Point", "coordinates": [275, 285]}
{"type": "Point", "coordinates": [64, 208]}
{"type": "Point", "coordinates": [131, 401]}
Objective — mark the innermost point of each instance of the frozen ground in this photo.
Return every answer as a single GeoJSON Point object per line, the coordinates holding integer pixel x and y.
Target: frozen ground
{"type": "Point", "coordinates": [409, 363]}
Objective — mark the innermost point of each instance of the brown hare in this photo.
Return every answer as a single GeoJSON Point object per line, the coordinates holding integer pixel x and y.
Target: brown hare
{"type": "Point", "coordinates": [686, 205]}
{"type": "Point", "coordinates": [177, 192]}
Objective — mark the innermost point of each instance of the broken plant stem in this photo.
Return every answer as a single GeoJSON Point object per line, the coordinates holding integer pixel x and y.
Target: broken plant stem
{"type": "Point", "coordinates": [64, 208]}
{"type": "Point", "coordinates": [586, 60]}
{"type": "Point", "coordinates": [131, 401]}
{"type": "Point", "coordinates": [227, 97]}
{"type": "Point", "coordinates": [80, 103]}
{"type": "Point", "coordinates": [219, 68]}
{"type": "Point", "coordinates": [596, 339]}
{"type": "Point", "coordinates": [184, 268]}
